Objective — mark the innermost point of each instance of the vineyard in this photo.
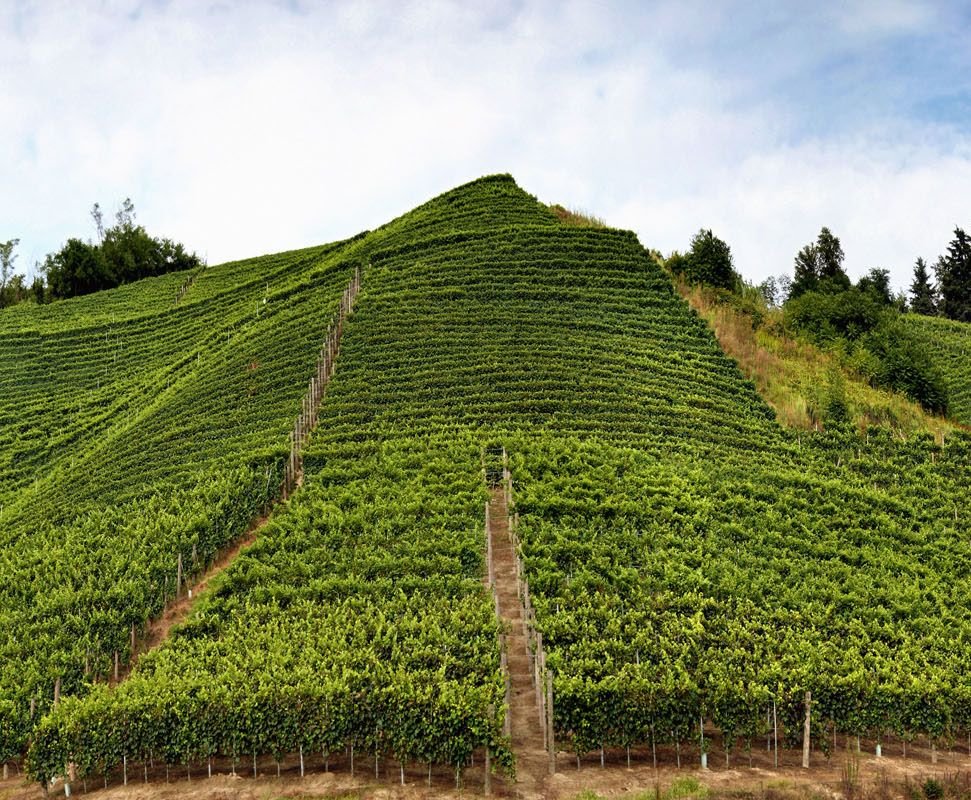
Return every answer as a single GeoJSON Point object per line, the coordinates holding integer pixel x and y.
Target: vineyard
{"type": "Point", "coordinates": [949, 342]}
{"type": "Point", "coordinates": [690, 568]}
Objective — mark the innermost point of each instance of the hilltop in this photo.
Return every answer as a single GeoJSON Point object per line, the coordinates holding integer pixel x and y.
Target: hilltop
{"type": "Point", "coordinates": [684, 566]}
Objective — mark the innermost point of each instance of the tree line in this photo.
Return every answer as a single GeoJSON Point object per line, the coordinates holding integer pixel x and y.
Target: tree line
{"type": "Point", "coordinates": [124, 252]}
{"type": "Point", "coordinates": [858, 321]}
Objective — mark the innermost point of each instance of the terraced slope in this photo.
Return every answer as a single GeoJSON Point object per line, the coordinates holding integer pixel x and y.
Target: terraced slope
{"type": "Point", "coordinates": [568, 329]}
{"type": "Point", "coordinates": [687, 558]}
{"type": "Point", "coordinates": [131, 444]}
{"type": "Point", "coordinates": [949, 344]}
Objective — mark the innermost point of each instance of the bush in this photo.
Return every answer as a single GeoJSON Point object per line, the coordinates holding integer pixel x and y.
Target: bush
{"type": "Point", "coordinates": [933, 790]}
{"type": "Point", "coordinates": [869, 336]}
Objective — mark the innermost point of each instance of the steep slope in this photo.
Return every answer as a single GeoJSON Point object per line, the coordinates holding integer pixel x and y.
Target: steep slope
{"type": "Point", "coordinates": [687, 558]}
{"type": "Point", "coordinates": [164, 433]}
{"type": "Point", "coordinates": [949, 344]}
{"type": "Point", "coordinates": [799, 380]}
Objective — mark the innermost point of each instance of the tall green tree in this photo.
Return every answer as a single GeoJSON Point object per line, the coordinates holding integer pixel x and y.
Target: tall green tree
{"type": "Point", "coordinates": [831, 259]}
{"type": "Point", "coordinates": [819, 266]}
{"type": "Point", "coordinates": [710, 261]}
{"type": "Point", "coordinates": [922, 291]}
{"type": "Point", "coordinates": [7, 258]}
{"type": "Point", "coordinates": [954, 278]}
{"type": "Point", "coordinates": [877, 283]}
{"type": "Point", "coordinates": [806, 271]}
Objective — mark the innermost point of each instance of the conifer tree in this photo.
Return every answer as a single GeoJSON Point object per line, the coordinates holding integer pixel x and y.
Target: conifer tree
{"type": "Point", "coordinates": [954, 278]}
{"type": "Point", "coordinates": [806, 276]}
{"type": "Point", "coordinates": [922, 291]}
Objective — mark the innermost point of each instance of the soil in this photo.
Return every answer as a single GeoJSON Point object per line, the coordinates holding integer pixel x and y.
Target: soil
{"type": "Point", "coordinates": [881, 778]}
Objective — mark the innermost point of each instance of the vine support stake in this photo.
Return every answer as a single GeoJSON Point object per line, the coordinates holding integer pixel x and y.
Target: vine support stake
{"type": "Point", "coordinates": [775, 733]}
{"type": "Point", "coordinates": [806, 730]}
{"type": "Point", "coordinates": [488, 756]}
{"type": "Point", "coordinates": [701, 729]}
{"type": "Point", "coordinates": [549, 722]}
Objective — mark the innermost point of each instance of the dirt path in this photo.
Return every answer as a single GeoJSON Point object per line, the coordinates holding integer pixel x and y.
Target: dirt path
{"type": "Point", "coordinates": [527, 735]}
{"type": "Point", "coordinates": [158, 629]}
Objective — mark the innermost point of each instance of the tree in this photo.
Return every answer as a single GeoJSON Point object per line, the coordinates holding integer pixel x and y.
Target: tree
{"type": "Point", "coordinates": [922, 291]}
{"type": "Point", "coordinates": [954, 278]}
{"type": "Point", "coordinates": [7, 258]}
{"type": "Point", "coordinates": [831, 258]}
{"type": "Point", "coordinates": [769, 290]}
{"type": "Point", "coordinates": [125, 253]}
{"type": "Point", "coordinates": [710, 261]}
{"type": "Point", "coordinates": [16, 291]}
{"type": "Point", "coordinates": [819, 266]}
{"type": "Point", "coordinates": [77, 268]}
{"type": "Point", "coordinates": [877, 283]}
{"type": "Point", "coordinates": [806, 272]}
{"type": "Point", "coordinates": [99, 223]}
{"type": "Point", "coordinates": [37, 290]}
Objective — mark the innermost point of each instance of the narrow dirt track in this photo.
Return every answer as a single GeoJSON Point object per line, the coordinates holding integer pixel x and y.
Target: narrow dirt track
{"type": "Point", "coordinates": [527, 735]}
{"type": "Point", "coordinates": [158, 629]}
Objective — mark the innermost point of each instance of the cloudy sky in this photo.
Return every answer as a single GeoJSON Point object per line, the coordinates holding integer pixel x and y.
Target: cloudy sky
{"type": "Point", "coordinates": [242, 128]}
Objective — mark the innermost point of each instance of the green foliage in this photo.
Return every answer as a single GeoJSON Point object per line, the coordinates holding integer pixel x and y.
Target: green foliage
{"type": "Point", "coordinates": [877, 283]}
{"type": "Point", "coordinates": [686, 556]}
{"type": "Point", "coordinates": [953, 271]}
{"type": "Point", "coordinates": [125, 253]}
{"type": "Point", "coordinates": [933, 789]}
{"type": "Point", "coordinates": [135, 432]}
{"type": "Point", "coordinates": [687, 787]}
{"type": "Point", "coordinates": [905, 365]}
{"type": "Point", "coordinates": [819, 267]}
{"type": "Point", "coordinates": [7, 258]}
{"type": "Point", "coordinates": [859, 320]}
{"type": "Point", "coordinates": [827, 317]}
{"type": "Point", "coordinates": [924, 294]}
{"type": "Point", "coordinates": [948, 345]}
{"type": "Point", "coordinates": [708, 262]}
{"type": "Point", "coordinates": [836, 410]}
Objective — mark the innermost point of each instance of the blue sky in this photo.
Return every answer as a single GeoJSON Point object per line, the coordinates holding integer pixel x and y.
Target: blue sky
{"type": "Point", "coordinates": [245, 127]}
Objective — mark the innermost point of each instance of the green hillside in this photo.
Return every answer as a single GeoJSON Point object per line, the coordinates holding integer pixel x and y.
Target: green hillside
{"type": "Point", "coordinates": [136, 430]}
{"type": "Point", "coordinates": [687, 557]}
{"type": "Point", "coordinates": [949, 343]}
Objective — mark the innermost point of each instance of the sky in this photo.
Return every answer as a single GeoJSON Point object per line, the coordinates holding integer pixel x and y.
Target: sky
{"type": "Point", "coordinates": [243, 128]}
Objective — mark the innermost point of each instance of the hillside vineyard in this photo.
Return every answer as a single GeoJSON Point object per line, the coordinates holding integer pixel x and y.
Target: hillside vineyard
{"type": "Point", "coordinates": [689, 562]}
{"type": "Point", "coordinates": [949, 343]}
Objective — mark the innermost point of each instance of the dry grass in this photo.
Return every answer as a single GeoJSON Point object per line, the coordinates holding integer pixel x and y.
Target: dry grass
{"type": "Point", "coordinates": [794, 377]}
{"type": "Point", "coordinates": [577, 218]}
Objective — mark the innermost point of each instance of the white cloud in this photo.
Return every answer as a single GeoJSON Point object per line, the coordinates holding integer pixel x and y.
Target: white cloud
{"type": "Point", "coordinates": [776, 202]}
{"type": "Point", "coordinates": [246, 128]}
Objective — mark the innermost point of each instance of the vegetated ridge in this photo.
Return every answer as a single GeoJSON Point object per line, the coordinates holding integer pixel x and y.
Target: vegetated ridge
{"type": "Point", "coordinates": [691, 562]}
{"type": "Point", "coordinates": [950, 343]}
{"type": "Point", "coordinates": [805, 384]}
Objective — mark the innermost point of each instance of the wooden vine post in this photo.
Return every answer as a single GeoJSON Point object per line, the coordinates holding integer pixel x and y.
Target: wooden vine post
{"type": "Point", "coordinates": [805, 730]}
{"type": "Point", "coordinates": [775, 733]}
{"type": "Point", "coordinates": [317, 386]}
{"type": "Point", "coordinates": [487, 781]}
{"type": "Point", "coordinates": [551, 744]}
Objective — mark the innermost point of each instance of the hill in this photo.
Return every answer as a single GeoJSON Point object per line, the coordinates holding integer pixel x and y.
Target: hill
{"type": "Point", "coordinates": [950, 345]}
{"type": "Point", "coordinates": [689, 562]}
